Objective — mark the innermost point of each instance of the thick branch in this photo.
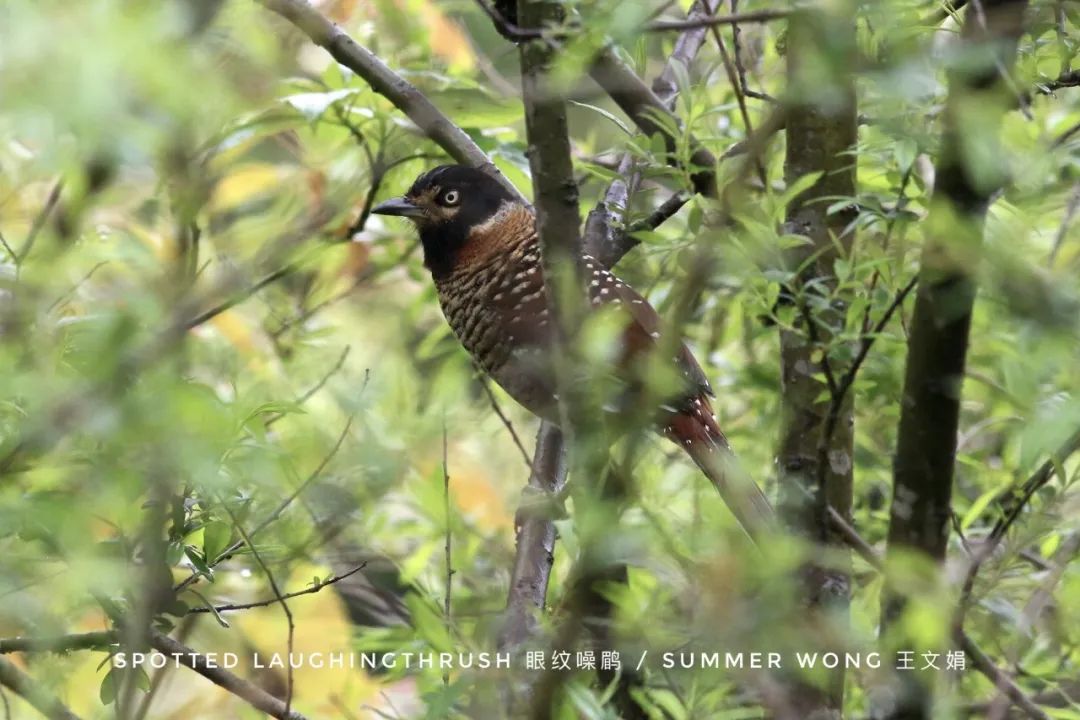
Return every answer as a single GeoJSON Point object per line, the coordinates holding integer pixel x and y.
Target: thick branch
{"type": "Point", "coordinates": [25, 686]}
{"type": "Point", "coordinates": [606, 238]}
{"type": "Point", "coordinates": [535, 539]}
{"type": "Point", "coordinates": [926, 444]}
{"type": "Point", "coordinates": [643, 106]}
{"type": "Point", "coordinates": [814, 484]}
{"type": "Point", "coordinates": [941, 320]}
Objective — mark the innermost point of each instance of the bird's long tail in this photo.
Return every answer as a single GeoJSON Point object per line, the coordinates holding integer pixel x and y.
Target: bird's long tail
{"type": "Point", "coordinates": [697, 432]}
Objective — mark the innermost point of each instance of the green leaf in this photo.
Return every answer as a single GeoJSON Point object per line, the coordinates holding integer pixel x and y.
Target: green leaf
{"type": "Point", "coordinates": [107, 691]}
{"type": "Point", "coordinates": [313, 104]}
{"type": "Point", "coordinates": [216, 537]}
{"type": "Point", "coordinates": [601, 111]}
{"type": "Point", "coordinates": [798, 187]}
{"type": "Point", "coordinates": [904, 152]}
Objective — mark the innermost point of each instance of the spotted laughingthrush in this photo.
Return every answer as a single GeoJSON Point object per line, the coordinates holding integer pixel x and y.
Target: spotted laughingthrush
{"type": "Point", "coordinates": [481, 246]}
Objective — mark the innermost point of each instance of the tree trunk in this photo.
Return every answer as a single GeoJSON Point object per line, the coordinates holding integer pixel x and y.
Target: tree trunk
{"type": "Point", "coordinates": [815, 457]}
{"type": "Point", "coordinates": [969, 173]}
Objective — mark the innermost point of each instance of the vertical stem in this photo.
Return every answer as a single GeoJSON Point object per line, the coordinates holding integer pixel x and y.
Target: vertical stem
{"type": "Point", "coordinates": [449, 565]}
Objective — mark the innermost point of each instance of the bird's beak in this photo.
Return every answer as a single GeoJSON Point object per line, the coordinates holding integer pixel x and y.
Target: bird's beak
{"type": "Point", "coordinates": [398, 206]}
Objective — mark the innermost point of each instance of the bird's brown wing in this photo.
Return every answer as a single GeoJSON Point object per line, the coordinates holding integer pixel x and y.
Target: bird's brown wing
{"type": "Point", "coordinates": [643, 333]}
{"type": "Point", "coordinates": [523, 308]}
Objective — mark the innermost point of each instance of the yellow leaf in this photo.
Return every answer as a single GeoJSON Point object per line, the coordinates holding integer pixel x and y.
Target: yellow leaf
{"type": "Point", "coordinates": [447, 39]}
{"type": "Point", "coordinates": [245, 183]}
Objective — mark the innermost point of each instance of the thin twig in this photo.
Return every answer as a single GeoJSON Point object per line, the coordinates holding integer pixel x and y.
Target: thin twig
{"type": "Point", "coordinates": [449, 564]}
{"type": "Point", "coordinates": [1071, 206]}
{"type": "Point", "coordinates": [757, 16]}
{"type": "Point", "coordinates": [736, 50]}
{"type": "Point", "coordinates": [99, 640]}
{"type": "Point", "coordinates": [1013, 501]}
{"type": "Point", "coordinates": [272, 517]}
{"type": "Point", "coordinates": [1064, 137]}
{"type": "Point", "coordinates": [39, 223]}
{"type": "Point", "coordinates": [502, 416]}
{"type": "Point", "coordinates": [367, 274]}
{"type": "Point", "coordinates": [229, 607]}
{"type": "Point", "coordinates": [740, 99]}
{"type": "Point", "coordinates": [7, 248]}
{"type": "Point", "coordinates": [980, 659]}
{"type": "Point", "coordinates": [240, 297]}
{"type": "Point", "coordinates": [316, 387]}
{"type": "Point", "coordinates": [74, 288]}
{"type": "Point", "coordinates": [278, 597]}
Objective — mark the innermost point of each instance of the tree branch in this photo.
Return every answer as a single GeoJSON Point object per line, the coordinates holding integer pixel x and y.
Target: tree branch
{"type": "Point", "coordinates": [253, 694]}
{"type": "Point", "coordinates": [814, 481]}
{"type": "Point", "coordinates": [64, 643]}
{"type": "Point", "coordinates": [941, 321]}
{"type": "Point", "coordinates": [535, 543]}
{"type": "Point", "coordinates": [940, 325]}
{"type": "Point", "coordinates": [643, 106]}
{"type": "Point", "coordinates": [604, 239]}
{"type": "Point", "coordinates": [229, 607]}
{"type": "Point", "coordinates": [708, 21]}
{"type": "Point", "coordinates": [25, 686]}
{"type": "Point", "coordinates": [404, 96]}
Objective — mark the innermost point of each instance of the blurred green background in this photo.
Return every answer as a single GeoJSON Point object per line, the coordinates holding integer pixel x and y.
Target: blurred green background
{"type": "Point", "coordinates": [159, 159]}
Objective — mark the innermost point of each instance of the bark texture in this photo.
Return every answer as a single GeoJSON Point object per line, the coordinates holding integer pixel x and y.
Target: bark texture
{"type": "Point", "coordinates": [969, 173]}
{"type": "Point", "coordinates": [816, 464]}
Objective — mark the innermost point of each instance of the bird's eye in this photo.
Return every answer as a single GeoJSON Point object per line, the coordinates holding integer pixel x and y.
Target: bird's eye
{"type": "Point", "coordinates": [451, 197]}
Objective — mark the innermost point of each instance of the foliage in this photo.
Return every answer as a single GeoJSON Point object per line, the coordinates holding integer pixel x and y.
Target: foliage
{"type": "Point", "coordinates": [201, 321]}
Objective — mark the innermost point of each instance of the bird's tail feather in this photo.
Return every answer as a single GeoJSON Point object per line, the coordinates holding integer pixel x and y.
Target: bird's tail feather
{"type": "Point", "coordinates": [698, 433]}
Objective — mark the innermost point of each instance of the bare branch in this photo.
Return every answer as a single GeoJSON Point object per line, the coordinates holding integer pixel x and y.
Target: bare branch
{"type": "Point", "coordinates": [230, 607]}
{"type": "Point", "coordinates": [535, 552]}
{"type": "Point", "coordinates": [502, 416]}
{"type": "Point", "coordinates": [1005, 684]}
{"type": "Point", "coordinates": [604, 239]}
{"type": "Point", "coordinates": [316, 387]}
{"type": "Point", "coordinates": [39, 222]}
{"type": "Point", "coordinates": [387, 83]}
{"type": "Point", "coordinates": [210, 314]}
{"type": "Point", "coordinates": [757, 16]}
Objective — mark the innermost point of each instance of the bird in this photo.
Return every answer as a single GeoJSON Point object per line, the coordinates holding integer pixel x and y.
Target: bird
{"type": "Point", "coordinates": [481, 246]}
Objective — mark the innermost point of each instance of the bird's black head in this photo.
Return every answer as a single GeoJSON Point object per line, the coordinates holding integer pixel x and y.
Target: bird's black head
{"type": "Point", "coordinates": [445, 204]}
